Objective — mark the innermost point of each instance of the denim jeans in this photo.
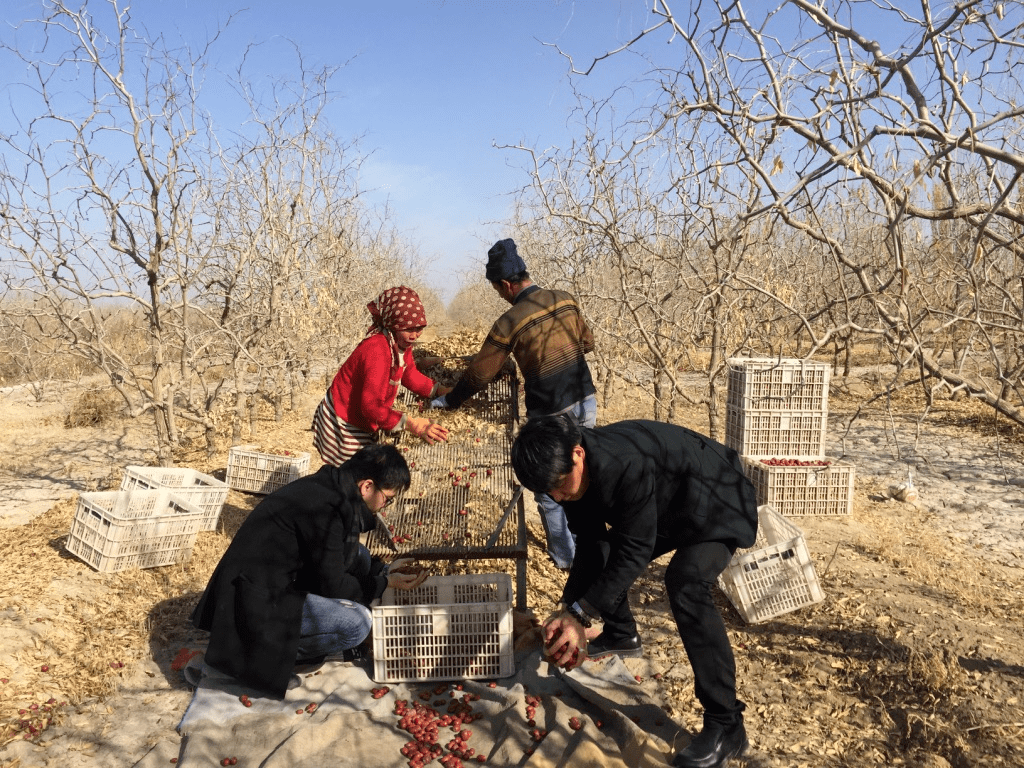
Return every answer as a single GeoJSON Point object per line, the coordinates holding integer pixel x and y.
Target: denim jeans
{"type": "Point", "coordinates": [332, 625]}
{"type": "Point", "coordinates": [561, 542]}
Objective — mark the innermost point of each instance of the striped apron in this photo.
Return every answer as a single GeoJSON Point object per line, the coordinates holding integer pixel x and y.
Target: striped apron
{"type": "Point", "coordinates": [336, 441]}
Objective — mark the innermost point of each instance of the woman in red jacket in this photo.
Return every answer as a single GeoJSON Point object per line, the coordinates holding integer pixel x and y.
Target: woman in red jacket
{"type": "Point", "coordinates": [360, 402]}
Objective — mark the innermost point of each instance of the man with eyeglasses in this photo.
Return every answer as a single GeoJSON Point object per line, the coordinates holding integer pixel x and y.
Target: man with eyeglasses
{"type": "Point", "coordinates": [632, 492]}
{"type": "Point", "coordinates": [295, 583]}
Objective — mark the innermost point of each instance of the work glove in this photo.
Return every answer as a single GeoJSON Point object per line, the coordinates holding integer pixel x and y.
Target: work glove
{"type": "Point", "coordinates": [439, 402]}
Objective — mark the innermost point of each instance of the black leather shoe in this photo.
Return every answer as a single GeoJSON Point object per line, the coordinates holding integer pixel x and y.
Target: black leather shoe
{"type": "Point", "coordinates": [713, 747]}
{"type": "Point", "coordinates": [600, 646]}
{"type": "Point", "coordinates": [354, 654]}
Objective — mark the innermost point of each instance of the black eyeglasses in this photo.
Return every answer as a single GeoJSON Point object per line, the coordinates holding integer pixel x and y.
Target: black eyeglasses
{"type": "Point", "coordinates": [388, 500]}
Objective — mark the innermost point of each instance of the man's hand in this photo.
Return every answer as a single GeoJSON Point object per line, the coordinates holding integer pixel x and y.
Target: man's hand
{"type": "Point", "coordinates": [565, 641]}
{"type": "Point", "coordinates": [406, 573]}
{"type": "Point", "coordinates": [438, 402]}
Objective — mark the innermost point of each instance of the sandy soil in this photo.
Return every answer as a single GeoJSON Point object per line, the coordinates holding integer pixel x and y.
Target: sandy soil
{"type": "Point", "coordinates": [915, 656]}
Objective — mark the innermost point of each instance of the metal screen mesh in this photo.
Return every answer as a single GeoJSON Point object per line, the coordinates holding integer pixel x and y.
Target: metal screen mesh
{"type": "Point", "coordinates": [463, 501]}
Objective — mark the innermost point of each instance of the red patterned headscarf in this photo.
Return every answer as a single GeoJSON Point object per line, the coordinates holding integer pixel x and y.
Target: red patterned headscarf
{"type": "Point", "coordinates": [398, 309]}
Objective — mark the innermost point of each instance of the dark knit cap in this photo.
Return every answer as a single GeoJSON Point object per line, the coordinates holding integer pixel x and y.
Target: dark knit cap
{"type": "Point", "coordinates": [503, 261]}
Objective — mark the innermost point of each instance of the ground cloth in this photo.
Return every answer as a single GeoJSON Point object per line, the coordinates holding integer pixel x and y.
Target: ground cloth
{"type": "Point", "coordinates": [620, 726]}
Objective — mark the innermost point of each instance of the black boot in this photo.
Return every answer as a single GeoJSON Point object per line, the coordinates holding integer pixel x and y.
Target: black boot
{"type": "Point", "coordinates": [362, 651]}
{"type": "Point", "coordinates": [601, 646]}
{"type": "Point", "coordinates": [713, 747]}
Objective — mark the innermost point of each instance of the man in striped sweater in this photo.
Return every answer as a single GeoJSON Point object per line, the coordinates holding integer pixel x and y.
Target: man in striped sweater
{"type": "Point", "coordinates": [545, 332]}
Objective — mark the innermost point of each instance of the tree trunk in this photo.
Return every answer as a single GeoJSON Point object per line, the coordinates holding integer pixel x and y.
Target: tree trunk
{"type": "Point", "coordinates": [239, 418]}
{"type": "Point", "coordinates": [608, 390]}
{"type": "Point", "coordinates": [210, 434]}
{"type": "Point", "coordinates": [658, 394]}
{"type": "Point", "coordinates": [163, 445]}
{"type": "Point", "coordinates": [715, 365]}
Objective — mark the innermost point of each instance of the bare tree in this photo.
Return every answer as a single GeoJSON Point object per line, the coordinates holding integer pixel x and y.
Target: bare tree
{"type": "Point", "coordinates": [635, 220]}
{"type": "Point", "coordinates": [243, 261]}
{"type": "Point", "coordinates": [476, 306]}
{"type": "Point", "coordinates": [32, 355]}
{"type": "Point", "coordinates": [819, 116]}
{"type": "Point", "coordinates": [97, 197]}
{"type": "Point", "coordinates": [285, 198]}
{"type": "Point", "coordinates": [300, 253]}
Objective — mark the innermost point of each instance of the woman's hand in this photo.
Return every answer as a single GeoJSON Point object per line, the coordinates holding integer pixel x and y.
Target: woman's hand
{"type": "Point", "coordinates": [406, 573]}
{"type": "Point", "coordinates": [565, 640]}
{"type": "Point", "coordinates": [425, 429]}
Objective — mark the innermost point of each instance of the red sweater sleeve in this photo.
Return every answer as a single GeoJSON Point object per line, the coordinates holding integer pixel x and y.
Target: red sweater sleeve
{"type": "Point", "coordinates": [415, 381]}
{"type": "Point", "coordinates": [362, 390]}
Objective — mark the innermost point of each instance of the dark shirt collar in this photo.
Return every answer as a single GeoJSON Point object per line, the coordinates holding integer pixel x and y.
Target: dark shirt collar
{"type": "Point", "coordinates": [524, 292]}
{"type": "Point", "coordinates": [527, 290]}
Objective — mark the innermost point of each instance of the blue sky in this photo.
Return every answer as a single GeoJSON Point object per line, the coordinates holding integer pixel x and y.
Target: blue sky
{"type": "Point", "coordinates": [434, 85]}
{"type": "Point", "coordinates": [431, 86]}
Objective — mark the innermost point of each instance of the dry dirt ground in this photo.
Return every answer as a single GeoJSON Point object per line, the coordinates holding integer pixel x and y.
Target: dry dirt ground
{"type": "Point", "coordinates": [915, 657]}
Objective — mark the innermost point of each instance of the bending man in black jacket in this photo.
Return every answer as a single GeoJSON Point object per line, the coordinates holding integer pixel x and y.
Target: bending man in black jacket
{"type": "Point", "coordinates": [295, 582]}
{"type": "Point", "coordinates": [632, 492]}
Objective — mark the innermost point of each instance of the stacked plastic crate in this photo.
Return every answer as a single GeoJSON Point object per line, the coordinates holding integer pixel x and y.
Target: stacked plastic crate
{"type": "Point", "coordinates": [776, 417]}
{"type": "Point", "coordinates": [151, 521]}
{"type": "Point", "coordinates": [777, 408]}
{"type": "Point", "coordinates": [204, 491]}
{"type": "Point", "coordinates": [777, 414]}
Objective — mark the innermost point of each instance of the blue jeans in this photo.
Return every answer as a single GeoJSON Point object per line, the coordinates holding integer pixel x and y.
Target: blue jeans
{"type": "Point", "coordinates": [561, 542]}
{"type": "Point", "coordinates": [332, 625]}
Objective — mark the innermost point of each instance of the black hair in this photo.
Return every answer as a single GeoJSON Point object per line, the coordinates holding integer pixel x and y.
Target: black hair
{"type": "Point", "coordinates": [519, 277]}
{"type": "Point", "coordinates": [382, 464]}
{"type": "Point", "coordinates": [542, 451]}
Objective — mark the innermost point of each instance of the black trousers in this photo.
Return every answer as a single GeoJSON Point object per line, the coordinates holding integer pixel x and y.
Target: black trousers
{"type": "Point", "coordinates": [689, 579]}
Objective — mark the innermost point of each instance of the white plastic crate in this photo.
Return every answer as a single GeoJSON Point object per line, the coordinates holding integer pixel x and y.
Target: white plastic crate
{"type": "Point", "coordinates": [769, 384]}
{"type": "Point", "coordinates": [767, 434]}
{"type": "Point", "coordinates": [250, 469]}
{"type": "Point", "coordinates": [773, 577]}
{"type": "Point", "coordinates": [810, 489]}
{"type": "Point", "coordinates": [116, 530]}
{"type": "Point", "coordinates": [448, 628]}
{"type": "Point", "coordinates": [206, 492]}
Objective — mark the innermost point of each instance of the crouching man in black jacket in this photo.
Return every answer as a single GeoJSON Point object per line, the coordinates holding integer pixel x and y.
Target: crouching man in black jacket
{"type": "Point", "coordinates": [632, 492]}
{"type": "Point", "coordinates": [295, 583]}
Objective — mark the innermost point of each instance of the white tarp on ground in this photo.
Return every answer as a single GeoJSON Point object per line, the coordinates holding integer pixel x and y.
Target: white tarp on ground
{"type": "Point", "coordinates": [349, 727]}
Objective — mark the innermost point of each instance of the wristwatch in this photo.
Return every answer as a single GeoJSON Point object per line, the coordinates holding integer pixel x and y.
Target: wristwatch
{"type": "Point", "coordinates": [574, 611]}
{"type": "Point", "coordinates": [580, 614]}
